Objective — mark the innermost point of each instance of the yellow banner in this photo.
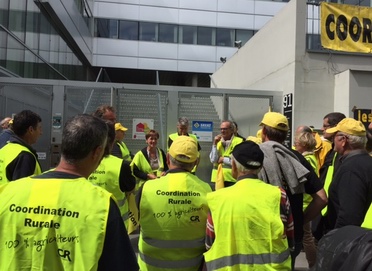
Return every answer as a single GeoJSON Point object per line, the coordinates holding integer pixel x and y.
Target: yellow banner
{"type": "Point", "coordinates": [346, 28]}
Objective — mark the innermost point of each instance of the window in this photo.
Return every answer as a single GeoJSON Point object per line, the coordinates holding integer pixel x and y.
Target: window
{"type": "Point", "coordinates": [107, 28]}
{"type": "Point", "coordinates": [128, 30]}
{"type": "Point", "coordinates": [206, 36]}
{"type": "Point", "coordinates": [244, 35]}
{"type": "Point", "coordinates": [225, 37]}
{"type": "Point", "coordinates": [168, 33]}
{"type": "Point", "coordinates": [188, 34]}
{"type": "Point", "coordinates": [148, 31]}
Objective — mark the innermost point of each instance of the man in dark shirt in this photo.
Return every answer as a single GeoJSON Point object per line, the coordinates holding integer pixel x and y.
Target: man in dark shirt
{"type": "Point", "coordinates": [350, 193]}
{"type": "Point", "coordinates": [274, 132]}
{"type": "Point", "coordinates": [24, 162]}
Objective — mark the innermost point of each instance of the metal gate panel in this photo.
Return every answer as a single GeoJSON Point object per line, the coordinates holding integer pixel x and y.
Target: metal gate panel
{"type": "Point", "coordinates": [137, 104]}
{"type": "Point", "coordinates": [18, 97]}
{"type": "Point", "coordinates": [202, 107]}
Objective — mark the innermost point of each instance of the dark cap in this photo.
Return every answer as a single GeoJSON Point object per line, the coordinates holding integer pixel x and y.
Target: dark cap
{"type": "Point", "coordinates": [248, 154]}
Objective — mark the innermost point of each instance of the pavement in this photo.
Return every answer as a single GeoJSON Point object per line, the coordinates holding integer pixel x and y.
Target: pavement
{"type": "Point", "coordinates": [301, 263]}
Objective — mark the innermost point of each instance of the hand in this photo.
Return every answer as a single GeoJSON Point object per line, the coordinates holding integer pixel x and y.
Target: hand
{"type": "Point", "coordinates": [217, 139]}
{"type": "Point", "coordinates": [151, 176]}
{"type": "Point", "coordinates": [220, 160]}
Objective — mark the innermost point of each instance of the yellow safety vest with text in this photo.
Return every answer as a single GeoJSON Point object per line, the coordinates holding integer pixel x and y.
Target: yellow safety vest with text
{"type": "Point", "coordinates": [225, 153]}
{"type": "Point", "coordinates": [107, 176]}
{"type": "Point", "coordinates": [250, 235]}
{"type": "Point", "coordinates": [173, 214]}
{"type": "Point", "coordinates": [10, 152]}
{"type": "Point", "coordinates": [53, 224]}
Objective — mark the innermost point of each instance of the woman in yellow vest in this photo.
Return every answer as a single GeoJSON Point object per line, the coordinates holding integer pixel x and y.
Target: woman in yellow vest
{"type": "Point", "coordinates": [150, 162]}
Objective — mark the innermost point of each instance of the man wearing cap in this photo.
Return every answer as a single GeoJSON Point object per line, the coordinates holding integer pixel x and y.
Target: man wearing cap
{"type": "Point", "coordinates": [350, 192]}
{"type": "Point", "coordinates": [173, 213]}
{"type": "Point", "coordinates": [183, 130]}
{"type": "Point", "coordinates": [255, 234]}
{"type": "Point", "coordinates": [120, 149]}
{"type": "Point", "coordinates": [288, 169]}
{"type": "Point", "coordinates": [223, 145]}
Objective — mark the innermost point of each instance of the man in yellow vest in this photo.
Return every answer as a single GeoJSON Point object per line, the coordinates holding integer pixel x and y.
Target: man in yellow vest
{"type": "Point", "coordinates": [183, 130]}
{"type": "Point", "coordinates": [223, 145]}
{"type": "Point", "coordinates": [17, 158]}
{"type": "Point", "coordinates": [58, 220]}
{"type": "Point", "coordinates": [115, 175]}
{"type": "Point", "coordinates": [120, 149]}
{"type": "Point", "coordinates": [255, 234]}
{"type": "Point", "coordinates": [173, 213]}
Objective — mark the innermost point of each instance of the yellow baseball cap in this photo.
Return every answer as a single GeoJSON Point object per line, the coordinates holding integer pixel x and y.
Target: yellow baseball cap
{"type": "Point", "coordinates": [275, 120]}
{"type": "Point", "coordinates": [349, 126]}
{"type": "Point", "coordinates": [120, 127]}
{"type": "Point", "coordinates": [184, 149]}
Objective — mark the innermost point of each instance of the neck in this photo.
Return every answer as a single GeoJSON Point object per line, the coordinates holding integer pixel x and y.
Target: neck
{"type": "Point", "coordinates": [75, 169]}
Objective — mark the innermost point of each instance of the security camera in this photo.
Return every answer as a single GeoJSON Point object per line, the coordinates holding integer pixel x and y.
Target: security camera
{"type": "Point", "coordinates": [238, 43]}
{"type": "Point", "coordinates": [223, 59]}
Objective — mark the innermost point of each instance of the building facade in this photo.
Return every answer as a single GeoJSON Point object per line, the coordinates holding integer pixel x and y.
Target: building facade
{"type": "Point", "coordinates": [129, 41]}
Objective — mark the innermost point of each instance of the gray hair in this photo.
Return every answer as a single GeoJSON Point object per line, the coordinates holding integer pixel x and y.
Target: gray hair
{"type": "Point", "coordinates": [183, 121]}
{"type": "Point", "coordinates": [182, 165]}
{"type": "Point", "coordinates": [241, 168]}
{"type": "Point", "coordinates": [81, 135]}
{"type": "Point", "coordinates": [356, 142]}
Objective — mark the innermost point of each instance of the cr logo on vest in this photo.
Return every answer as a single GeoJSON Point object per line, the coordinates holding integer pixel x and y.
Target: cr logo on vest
{"type": "Point", "coordinates": [64, 254]}
{"type": "Point", "coordinates": [194, 218]}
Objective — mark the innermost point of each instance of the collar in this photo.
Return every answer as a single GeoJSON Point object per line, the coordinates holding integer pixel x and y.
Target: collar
{"type": "Point", "coordinates": [247, 176]}
{"type": "Point", "coordinates": [351, 154]}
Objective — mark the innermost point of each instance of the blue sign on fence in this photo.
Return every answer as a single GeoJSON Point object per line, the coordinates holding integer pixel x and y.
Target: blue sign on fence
{"type": "Point", "coordinates": [203, 130]}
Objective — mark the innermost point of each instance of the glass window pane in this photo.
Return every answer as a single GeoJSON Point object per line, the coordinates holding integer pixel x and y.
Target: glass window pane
{"type": "Point", "coordinates": [243, 35]}
{"type": "Point", "coordinates": [107, 28]}
{"type": "Point", "coordinates": [128, 30]}
{"type": "Point", "coordinates": [188, 34]}
{"type": "Point", "coordinates": [225, 37]}
{"type": "Point", "coordinates": [147, 31]}
{"type": "Point", "coordinates": [168, 33]}
{"type": "Point", "coordinates": [206, 36]}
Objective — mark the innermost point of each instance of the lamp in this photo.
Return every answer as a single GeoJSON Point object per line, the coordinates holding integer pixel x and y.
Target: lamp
{"type": "Point", "coordinates": [223, 59]}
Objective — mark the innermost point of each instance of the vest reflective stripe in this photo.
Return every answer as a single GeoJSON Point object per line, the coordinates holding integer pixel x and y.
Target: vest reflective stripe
{"type": "Point", "coordinates": [225, 153]}
{"type": "Point", "coordinates": [143, 164]}
{"type": "Point", "coordinates": [10, 152]}
{"type": "Point", "coordinates": [173, 229]}
{"type": "Point", "coordinates": [107, 176]}
{"type": "Point", "coordinates": [248, 259]}
{"type": "Point", "coordinates": [328, 181]}
{"type": "Point", "coordinates": [125, 153]}
{"type": "Point", "coordinates": [174, 243]}
{"type": "Point", "coordinates": [79, 208]}
{"type": "Point", "coordinates": [189, 263]}
{"type": "Point", "coordinates": [250, 234]}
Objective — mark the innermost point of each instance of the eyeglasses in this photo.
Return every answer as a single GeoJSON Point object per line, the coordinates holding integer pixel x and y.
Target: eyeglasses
{"type": "Point", "coordinates": [345, 136]}
{"type": "Point", "coordinates": [327, 125]}
{"type": "Point", "coordinates": [225, 129]}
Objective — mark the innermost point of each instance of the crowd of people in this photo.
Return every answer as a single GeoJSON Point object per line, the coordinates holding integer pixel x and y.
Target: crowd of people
{"type": "Point", "coordinates": [269, 201]}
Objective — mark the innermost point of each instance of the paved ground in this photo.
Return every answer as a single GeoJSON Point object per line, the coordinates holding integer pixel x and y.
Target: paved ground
{"type": "Point", "coordinates": [301, 263]}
